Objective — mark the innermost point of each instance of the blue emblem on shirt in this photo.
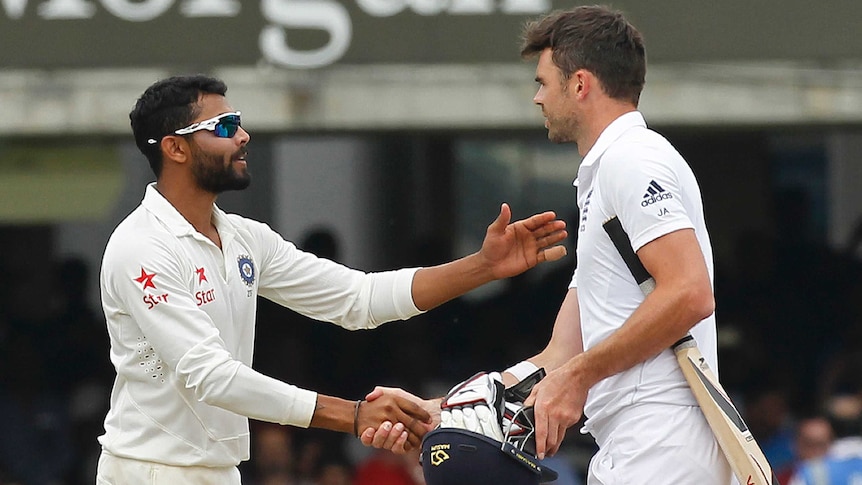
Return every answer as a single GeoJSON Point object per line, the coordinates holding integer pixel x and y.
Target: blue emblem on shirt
{"type": "Point", "coordinates": [246, 269]}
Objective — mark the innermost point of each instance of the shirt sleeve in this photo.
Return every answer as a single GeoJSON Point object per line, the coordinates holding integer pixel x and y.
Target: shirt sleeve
{"type": "Point", "coordinates": [146, 283]}
{"type": "Point", "coordinates": [325, 290]}
{"type": "Point", "coordinates": [644, 191]}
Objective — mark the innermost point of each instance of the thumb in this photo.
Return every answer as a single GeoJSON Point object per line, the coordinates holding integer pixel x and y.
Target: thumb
{"type": "Point", "coordinates": [499, 225]}
{"type": "Point", "coordinates": [531, 399]}
{"type": "Point", "coordinates": [377, 392]}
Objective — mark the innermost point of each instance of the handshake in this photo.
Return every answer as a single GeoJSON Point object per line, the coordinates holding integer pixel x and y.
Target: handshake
{"type": "Point", "coordinates": [481, 404]}
{"type": "Point", "coordinates": [485, 434]}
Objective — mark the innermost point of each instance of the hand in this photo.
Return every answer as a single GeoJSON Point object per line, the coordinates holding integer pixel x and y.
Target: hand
{"type": "Point", "coordinates": [412, 421]}
{"type": "Point", "coordinates": [558, 403]}
{"type": "Point", "coordinates": [511, 249]}
{"type": "Point", "coordinates": [394, 437]}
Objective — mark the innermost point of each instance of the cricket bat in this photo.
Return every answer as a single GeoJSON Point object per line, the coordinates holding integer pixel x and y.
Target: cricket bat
{"type": "Point", "coordinates": [733, 436]}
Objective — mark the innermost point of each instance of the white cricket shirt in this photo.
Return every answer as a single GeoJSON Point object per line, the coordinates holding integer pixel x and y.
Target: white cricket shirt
{"type": "Point", "coordinates": [633, 173]}
{"type": "Point", "coordinates": [181, 318]}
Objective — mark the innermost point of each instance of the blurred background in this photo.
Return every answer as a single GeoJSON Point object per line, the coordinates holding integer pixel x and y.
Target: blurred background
{"type": "Point", "coordinates": [386, 133]}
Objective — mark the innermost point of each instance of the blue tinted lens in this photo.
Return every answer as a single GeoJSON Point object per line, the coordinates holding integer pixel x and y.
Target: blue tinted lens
{"type": "Point", "coordinates": [227, 126]}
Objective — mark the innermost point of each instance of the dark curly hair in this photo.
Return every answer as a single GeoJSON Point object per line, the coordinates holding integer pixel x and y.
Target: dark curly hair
{"type": "Point", "coordinates": [594, 38]}
{"type": "Point", "coordinates": [167, 106]}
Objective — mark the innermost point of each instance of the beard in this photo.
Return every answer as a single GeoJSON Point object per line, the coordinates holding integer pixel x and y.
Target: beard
{"type": "Point", "coordinates": [213, 175]}
{"type": "Point", "coordinates": [563, 129]}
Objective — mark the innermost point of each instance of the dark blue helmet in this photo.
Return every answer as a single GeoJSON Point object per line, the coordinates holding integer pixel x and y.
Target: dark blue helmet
{"type": "Point", "coordinates": [453, 456]}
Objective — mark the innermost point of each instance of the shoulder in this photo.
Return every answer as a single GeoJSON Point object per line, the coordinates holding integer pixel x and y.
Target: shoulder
{"type": "Point", "coordinates": [138, 238]}
{"type": "Point", "coordinates": [637, 145]}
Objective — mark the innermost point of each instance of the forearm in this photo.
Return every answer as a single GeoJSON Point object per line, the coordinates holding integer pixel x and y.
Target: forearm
{"type": "Point", "coordinates": [566, 340]}
{"type": "Point", "coordinates": [663, 318]}
{"type": "Point", "coordinates": [334, 414]}
{"type": "Point", "coordinates": [436, 285]}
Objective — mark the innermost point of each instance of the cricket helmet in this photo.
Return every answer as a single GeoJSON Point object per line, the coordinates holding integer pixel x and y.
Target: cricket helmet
{"type": "Point", "coordinates": [454, 456]}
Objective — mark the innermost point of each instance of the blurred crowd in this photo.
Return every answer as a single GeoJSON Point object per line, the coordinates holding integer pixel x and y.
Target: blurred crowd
{"type": "Point", "coordinates": [790, 328]}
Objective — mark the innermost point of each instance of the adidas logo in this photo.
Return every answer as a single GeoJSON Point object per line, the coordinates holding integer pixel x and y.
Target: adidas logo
{"type": "Point", "coordinates": [655, 193]}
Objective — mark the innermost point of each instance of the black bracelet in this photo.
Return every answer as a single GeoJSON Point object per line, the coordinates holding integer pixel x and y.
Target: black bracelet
{"type": "Point", "coordinates": [356, 418]}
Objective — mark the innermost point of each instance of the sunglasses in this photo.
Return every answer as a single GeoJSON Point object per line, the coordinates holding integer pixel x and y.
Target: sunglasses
{"type": "Point", "coordinates": [224, 125]}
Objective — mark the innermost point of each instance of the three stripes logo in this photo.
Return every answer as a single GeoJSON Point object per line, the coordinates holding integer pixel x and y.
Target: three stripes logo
{"type": "Point", "coordinates": [655, 193]}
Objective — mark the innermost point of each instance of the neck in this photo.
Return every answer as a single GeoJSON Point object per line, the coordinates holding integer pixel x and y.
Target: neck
{"type": "Point", "coordinates": [193, 203]}
{"type": "Point", "coordinates": [601, 117]}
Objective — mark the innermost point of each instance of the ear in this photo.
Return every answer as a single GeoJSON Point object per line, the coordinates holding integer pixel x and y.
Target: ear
{"type": "Point", "coordinates": [580, 83]}
{"type": "Point", "coordinates": [176, 149]}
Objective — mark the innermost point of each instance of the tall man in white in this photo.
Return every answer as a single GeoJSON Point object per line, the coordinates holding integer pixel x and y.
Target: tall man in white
{"type": "Point", "coordinates": [609, 357]}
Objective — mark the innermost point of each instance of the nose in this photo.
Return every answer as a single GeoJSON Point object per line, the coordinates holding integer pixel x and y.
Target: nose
{"type": "Point", "coordinates": [537, 99]}
{"type": "Point", "coordinates": [243, 135]}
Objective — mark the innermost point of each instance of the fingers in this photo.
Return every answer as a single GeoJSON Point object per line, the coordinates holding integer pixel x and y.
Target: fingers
{"type": "Point", "coordinates": [413, 410]}
{"type": "Point", "coordinates": [387, 437]}
{"type": "Point", "coordinates": [552, 254]}
{"type": "Point", "coordinates": [537, 221]}
{"type": "Point", "coordinates": [541, 435]}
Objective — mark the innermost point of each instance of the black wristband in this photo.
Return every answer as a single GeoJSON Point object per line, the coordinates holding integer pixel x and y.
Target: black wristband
{"type": "Point", "coordinates": [356, 418]}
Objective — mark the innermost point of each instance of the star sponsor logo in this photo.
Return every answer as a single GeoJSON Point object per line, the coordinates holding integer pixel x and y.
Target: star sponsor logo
{"type": "Point", "coordinates": [146, 279]}
{"type": "Point", "coordinates": [204, 297]}
{"type": "Point", "coordinates": [150, 299]}
{"type": "Point", "coordinates": [201, 275]}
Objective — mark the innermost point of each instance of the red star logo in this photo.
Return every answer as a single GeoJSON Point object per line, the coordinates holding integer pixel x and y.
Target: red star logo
{"type": "Point", "coordinates": [146, 279]}
{"type": "Point", "coordinates": [201, 276]}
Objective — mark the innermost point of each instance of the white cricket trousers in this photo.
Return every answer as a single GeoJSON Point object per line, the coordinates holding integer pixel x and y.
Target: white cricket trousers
{"type": "Point", "coordinates": [657, 443]}
{"type": "Point", "coordinates": [114, 470]}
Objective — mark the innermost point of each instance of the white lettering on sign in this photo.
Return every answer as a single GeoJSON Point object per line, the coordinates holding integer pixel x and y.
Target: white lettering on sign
{"type": "Point", "coordinates": [519, 7]}
{"type": "Point", "coordinates": [326, 15]}
{"type": "Point", "coordinates": [67, 9]}
{"type": "Point", "coordinates": [472, 7]}
{"type": "Point", "coordinates": [14, 8]}
{"type": "Point", "coordinates": [137, 11]}
{"type": "Point", "coordinates": [211, 8]}
{"type": "Point", "coordinates": [329, 16]}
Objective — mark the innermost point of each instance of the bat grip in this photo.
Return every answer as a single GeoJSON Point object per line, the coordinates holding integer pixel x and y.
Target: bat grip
{"type": "Point", "coordinates": [686, 342]}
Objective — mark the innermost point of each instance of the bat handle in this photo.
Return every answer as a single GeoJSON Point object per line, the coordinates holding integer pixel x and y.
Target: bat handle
{"type": "Point", "coordinates": [686, 342]}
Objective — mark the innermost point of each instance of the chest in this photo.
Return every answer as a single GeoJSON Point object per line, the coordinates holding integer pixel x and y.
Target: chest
{"type": "Point", "coordinates": [223, 283]}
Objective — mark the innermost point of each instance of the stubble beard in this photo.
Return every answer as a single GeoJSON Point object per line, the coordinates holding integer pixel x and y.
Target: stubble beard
{"type": "Point", "coordinates": [563, 130]}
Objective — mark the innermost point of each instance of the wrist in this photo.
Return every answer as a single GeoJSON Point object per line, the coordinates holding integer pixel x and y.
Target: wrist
{"type": "Point", "coordinates": [522, 370]}
{"type": "Point", "coordinates": [580, 372]}
{"type": "Point", "coordinates": [356, 417]}
{"type": "Point", "coordinates": [334, 414]}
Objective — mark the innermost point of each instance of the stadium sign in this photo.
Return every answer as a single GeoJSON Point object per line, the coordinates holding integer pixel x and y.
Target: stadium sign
{"type": "Point", "coordinates": [290, 33]}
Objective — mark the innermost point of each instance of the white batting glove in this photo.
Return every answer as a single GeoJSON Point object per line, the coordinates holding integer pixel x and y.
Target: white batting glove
{"type": "Point", "coordinates": [475, 405]}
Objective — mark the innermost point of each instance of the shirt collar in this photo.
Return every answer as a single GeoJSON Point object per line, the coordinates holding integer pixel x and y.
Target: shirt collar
{"type": "Point", "coordinates": [159, 206]}
{"type": "Point", "coordinates": [609, 135]}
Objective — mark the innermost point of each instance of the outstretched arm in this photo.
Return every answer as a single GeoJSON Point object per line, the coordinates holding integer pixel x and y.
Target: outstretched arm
{"type": "Point", "coordinates": [509, 249]}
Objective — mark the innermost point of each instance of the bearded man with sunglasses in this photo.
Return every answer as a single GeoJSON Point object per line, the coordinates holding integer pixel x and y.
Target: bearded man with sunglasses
{"type": "Point", "coordinates": [179, 285]}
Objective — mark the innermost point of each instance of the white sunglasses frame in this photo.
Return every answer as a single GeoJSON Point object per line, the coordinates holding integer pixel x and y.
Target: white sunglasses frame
{"type": "Point", "coordinates": [208, 124]}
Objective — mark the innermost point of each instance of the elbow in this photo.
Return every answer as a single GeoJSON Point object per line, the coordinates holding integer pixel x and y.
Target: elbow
{"type": "Point", "coordinates": [699, 302]}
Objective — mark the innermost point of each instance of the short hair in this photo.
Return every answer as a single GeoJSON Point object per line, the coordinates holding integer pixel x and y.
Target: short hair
{"type": "Point", "coordinates": [595, 38]}
{"type": "Point", "coordinates": [166, 106]}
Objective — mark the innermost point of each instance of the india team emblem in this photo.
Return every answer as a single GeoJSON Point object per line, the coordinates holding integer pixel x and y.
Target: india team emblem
{"type": "Point", "coordinates": [246, 269]}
